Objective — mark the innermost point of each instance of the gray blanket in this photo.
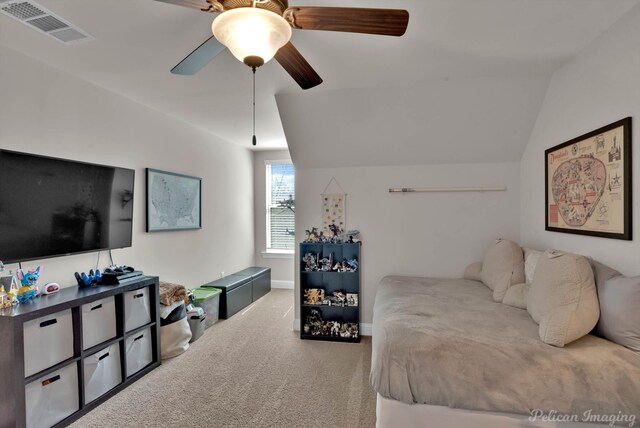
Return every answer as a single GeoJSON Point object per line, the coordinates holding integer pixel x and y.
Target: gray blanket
{"type": "Point", "coordinates": [445, 342]}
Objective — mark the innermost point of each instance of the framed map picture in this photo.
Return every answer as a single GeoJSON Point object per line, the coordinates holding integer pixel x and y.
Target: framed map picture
{"type": "Point", "coordinates": [173, 201]}
{"type": "Point", "coordinates": [588, 183]}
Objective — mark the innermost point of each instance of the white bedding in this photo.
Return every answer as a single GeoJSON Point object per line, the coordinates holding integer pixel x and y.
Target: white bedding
{"type": "Point", "coordinates": [444, 342]}
{"type": "Point", "coordinates": [394, 414]}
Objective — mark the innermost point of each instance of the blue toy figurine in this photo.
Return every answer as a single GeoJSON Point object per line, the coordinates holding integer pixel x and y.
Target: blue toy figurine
{"type": "Point", "coordinates": [29, 281]}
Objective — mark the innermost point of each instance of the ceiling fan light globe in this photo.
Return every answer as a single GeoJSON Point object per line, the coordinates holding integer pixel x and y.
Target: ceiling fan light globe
{"type": "Point", "coordinates": [251, 32]}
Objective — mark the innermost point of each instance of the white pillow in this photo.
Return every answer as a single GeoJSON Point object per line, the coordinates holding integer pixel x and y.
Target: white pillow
{"type": "Point", "coordinates": [563, 298]}
{"type": "Point", "coordinates": [516, 296]}
{"type": "Point", "coordinates": [502, 266]}
{"type": "Point", "coordinates": [473, 271]}
{"type": "Point", "coordinates": [530, 261]}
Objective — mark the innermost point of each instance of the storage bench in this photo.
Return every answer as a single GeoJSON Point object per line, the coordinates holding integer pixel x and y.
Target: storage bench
{"type": "Point", "coordinates": [241, 289]}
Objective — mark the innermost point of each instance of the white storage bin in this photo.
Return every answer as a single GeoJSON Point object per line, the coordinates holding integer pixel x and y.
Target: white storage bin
{"type": "Point", "coordinates": [48, 341]}
{"type": "Point", "coordinates": [136, 308]}
{"type": "Point", "coordinates": [52, 398]}
{"type": "Point", "coordinates": [138, 351]}
{"type": "Point", "coordinates": [98, 322]}
{"type": "Point", "coordinates": [102, 372]}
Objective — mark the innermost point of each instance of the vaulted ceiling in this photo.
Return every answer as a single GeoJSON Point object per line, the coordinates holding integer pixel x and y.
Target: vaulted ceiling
{"type": "Point", "coordinates": [465, 82]}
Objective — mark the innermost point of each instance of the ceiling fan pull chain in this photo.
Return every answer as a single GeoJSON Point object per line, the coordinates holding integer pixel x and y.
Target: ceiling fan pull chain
{"type": "Point", "coordinates": [254, 105]}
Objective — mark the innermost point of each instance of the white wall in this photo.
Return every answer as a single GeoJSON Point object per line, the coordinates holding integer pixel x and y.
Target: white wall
{"type": "Point", "coordinates": [45, 111]}
{"type": "Point", "coordinates": [482, 120]}
{"type": "Point", "coordinates": [281, 265]}
{"type": "Point", "coordinates": [598, 87]}
{"type": "Point", "coordinates": [423, 234]}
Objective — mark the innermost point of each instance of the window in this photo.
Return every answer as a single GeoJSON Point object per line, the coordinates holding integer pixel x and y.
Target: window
{"type": "Point", "coordinates": [280, 206]}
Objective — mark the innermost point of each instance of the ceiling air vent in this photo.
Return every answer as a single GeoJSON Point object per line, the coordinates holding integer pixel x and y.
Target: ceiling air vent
{"type": "Point", "coordinates": [41, 19]}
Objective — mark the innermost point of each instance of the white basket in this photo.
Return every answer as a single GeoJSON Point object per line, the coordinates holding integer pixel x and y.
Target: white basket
{"type": "Point", "coordinates": [136, 308]}
{"type": "Point", "coordinates": [48, 341]}
{"type": "Point", "coordinates": [102, 372]}
{"type": "Point", "coordinates": [138, 351]}
{"type": "Point", "coordinates": [52, 398]}
{"type": "Point", "coordinates": [175, 338]}
{"type": "Point", "coordinates": [98, 322]}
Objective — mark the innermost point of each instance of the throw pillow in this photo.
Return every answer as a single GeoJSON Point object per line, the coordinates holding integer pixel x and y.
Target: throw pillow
{"type": "Point", "coordinates": [601, 273]}
{"type": "Point", "coordinates": [562, 298]}
{"type": "Point", "coordinates": [516, 296]}
{"type": "Point", "coordinates": [502, 266]}
{"type": "Point", "coordinates": [619, 298]}
{"type": "Point", "coordinates": [473, 271]}
{"type": "Point", "coordinates": [530, 261]}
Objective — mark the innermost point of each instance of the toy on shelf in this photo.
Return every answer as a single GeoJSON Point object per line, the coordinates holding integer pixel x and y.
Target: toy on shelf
{"type": "Point", "coordinates": [350, 265]}
{"type": "Point", "coordinates": [5, 298]}
{"type": "Point", "coordinates": [313, 263]}
{"type": "Point", "coordinates": [29, 281]}
{"type": "Point", "coordinates": [310, 262]}
{"type": "Point", "coordinates": [13, 291]}
{"type": "Point", "coordinates": [312, 235]}
{"type": "Point", "coordinates": [353, 236]}
{"type": "Point", "coordinates": [50, 288]}
{"type": "Point", "coordinates": [339, 236]}
{"type": "Point", "coordinates": [314, 295]}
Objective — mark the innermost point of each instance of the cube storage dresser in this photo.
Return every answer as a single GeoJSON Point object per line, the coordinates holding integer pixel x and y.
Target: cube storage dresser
{"type": "Point", "coordinates": [65, 353]}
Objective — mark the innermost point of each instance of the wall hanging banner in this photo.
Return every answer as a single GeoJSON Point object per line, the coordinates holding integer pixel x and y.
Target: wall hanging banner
{"type": "Point", "coordinates": [333, 209]}
{"type": "Point", "coordinates": [333, 212]}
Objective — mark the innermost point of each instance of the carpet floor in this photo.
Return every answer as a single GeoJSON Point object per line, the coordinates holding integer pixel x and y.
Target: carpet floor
{"type": "Point", "coordinates": [251, 370]}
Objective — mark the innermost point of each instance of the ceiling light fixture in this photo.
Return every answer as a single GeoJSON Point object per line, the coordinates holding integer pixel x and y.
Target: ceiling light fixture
{"type": "Point", "coordinates": [253, 36]}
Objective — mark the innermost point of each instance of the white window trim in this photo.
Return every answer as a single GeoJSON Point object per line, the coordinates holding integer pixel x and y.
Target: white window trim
{"type": "Point", "coordinates": [271, 252]}
{"type": "Point", "coordinates": [278, 254]}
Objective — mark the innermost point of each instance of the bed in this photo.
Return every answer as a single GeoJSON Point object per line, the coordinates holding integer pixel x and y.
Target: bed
{"type": "Point", "coordinates": [446, 354]}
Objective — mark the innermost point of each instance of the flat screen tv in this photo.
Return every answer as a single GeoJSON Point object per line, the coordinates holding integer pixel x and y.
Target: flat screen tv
{"type": "Point", "coordinates": [54, 207]}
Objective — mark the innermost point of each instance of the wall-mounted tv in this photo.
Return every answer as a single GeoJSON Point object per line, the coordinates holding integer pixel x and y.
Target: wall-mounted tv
{"type": "Point", "coordinates": [54, 207]}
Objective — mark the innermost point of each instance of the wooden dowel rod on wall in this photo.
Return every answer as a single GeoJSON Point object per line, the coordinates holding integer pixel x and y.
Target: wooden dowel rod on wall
{"type": "Point", "coordinates": [445, 189]}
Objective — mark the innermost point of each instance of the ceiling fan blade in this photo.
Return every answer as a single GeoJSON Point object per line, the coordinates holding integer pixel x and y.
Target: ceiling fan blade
{"type": "Point", "coordinates": [202, 5]}
{"type": "Point", "coordinates": [199, 57]}
{"type": "Point", "coordinates": [386, 22]}
{"type": "Point", "coordinates": [298, 67]}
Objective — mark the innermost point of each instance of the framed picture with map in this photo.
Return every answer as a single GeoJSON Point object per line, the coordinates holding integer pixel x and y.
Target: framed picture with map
{"type": "Point", "coordinates": [588, 183]}
{"type": "Point", "coordinates": [174, 201]}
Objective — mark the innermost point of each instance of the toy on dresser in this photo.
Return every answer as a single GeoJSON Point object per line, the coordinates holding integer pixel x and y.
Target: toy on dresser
{"type": "Point", "coordinates": [29, 280]}
{"type": "Point", "coordinates": [6, 300]}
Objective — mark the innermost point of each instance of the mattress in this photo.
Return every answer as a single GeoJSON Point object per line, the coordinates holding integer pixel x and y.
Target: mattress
{"type": "Point", "coordinates": [445, 342]}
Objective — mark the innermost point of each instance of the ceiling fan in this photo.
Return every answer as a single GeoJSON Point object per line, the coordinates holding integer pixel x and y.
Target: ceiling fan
{"type": "Point", "coordinates": [257, 30]}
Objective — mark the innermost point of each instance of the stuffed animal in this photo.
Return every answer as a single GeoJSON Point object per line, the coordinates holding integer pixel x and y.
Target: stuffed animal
{"type": "Point", "coordinates": [29, 280]}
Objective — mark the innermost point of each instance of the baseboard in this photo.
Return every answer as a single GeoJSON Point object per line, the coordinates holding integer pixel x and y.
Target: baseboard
{"type": "Point", "coordinates": [282, 284]}
{"type": "Point", "coordinates": [366, 328]}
